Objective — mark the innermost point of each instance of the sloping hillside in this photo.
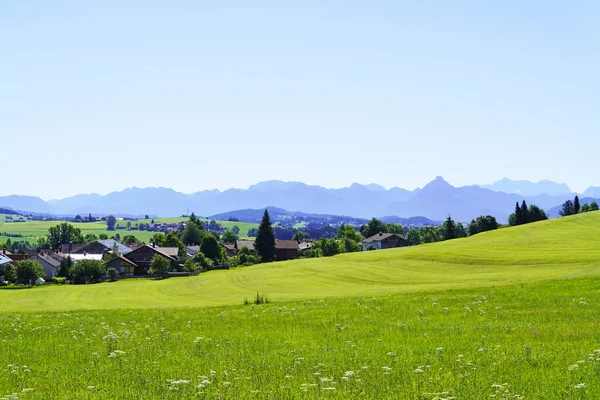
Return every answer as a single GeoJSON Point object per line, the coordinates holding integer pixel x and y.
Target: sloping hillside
{"type": "Point", "coordinates": [562, 248]}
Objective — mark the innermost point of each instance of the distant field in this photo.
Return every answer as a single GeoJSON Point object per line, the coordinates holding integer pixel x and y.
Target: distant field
{"type": "Point", "coordinates": [34, 229]}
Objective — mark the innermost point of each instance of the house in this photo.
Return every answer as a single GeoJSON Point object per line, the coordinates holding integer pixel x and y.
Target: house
{"type": "Point", "coordinates": [4, 261]}
{"type": "Point", "coordinates": [192, 250]}
{"type": "Point", "coordinates": [241, 243]}
{"type": "Point", "coordinates": [384, 241]}
{"type": "Point", "coordinates": [50, 265]}
{"type": "Point", "coordinates": [101, 247]}
{"type": "Point", "coordinates": [229, 248]}
{"type": "Point", "coordinates": [286, 250]}
{"type": "Point", "coordinates": [142, 257]}
{"type": "Point", "coordinates": [122, 265]}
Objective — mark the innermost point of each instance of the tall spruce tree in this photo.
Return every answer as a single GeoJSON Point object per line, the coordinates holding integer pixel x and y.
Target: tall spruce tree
{"type": "Point", "coordinates": [525, 212]}
{"type": "Point", "coordinates": [576, 205]}
{"type": "Point", "coordinates": [518, 215]}
{"type": "Point", "coordinates": [265, 239]}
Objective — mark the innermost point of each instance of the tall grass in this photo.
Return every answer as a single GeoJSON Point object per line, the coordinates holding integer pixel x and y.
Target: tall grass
{"type": "Point", "coordinates": [536, 341]}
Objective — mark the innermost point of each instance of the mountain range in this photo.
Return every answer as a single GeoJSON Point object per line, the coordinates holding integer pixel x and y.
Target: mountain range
{"type": "Point", "coordinates": [435, 201]}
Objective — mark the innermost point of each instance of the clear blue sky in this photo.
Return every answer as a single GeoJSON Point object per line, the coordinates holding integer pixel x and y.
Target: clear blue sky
{"type": "Point", "coordinates": [99, 96]}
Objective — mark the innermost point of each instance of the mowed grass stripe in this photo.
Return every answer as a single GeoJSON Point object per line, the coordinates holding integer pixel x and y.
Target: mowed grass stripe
{"type": "Point", "coordinates": [563, 248]}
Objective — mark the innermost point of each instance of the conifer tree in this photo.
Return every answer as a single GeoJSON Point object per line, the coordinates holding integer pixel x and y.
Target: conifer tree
{"type": "Point", "coordinates": [525, 212]}
{"type": "Point", "coordinates": [265, 239]}
{"type": "Point", "coordinates": [576, 205]}
{"type": "Point", "coordinates": [518, 215]}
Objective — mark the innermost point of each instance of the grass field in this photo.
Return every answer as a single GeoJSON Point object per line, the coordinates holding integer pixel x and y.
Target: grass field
{"type": "Point", "coordinates": [505, 315]}
{"type": "Point", "coordinates": [35, 229]}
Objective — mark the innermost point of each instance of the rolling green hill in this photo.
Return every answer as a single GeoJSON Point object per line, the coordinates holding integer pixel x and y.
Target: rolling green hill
{"type": "Point", "coordinates": [562, 248]}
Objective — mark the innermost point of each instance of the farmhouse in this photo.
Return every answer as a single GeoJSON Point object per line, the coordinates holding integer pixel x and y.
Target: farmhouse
{"type": "Point", "coordinates": [4, 261]}
{"type": "Point", "coordinates": [384, 241]}
{"type": "Point", "coordinates": [122, 265]}
{"type": "Point", "coordinates": [229, 248]}
{"type": "Point", "coordinates": [142, 257]}
{"type": "Point", "coordinates": [241, 243]}
{"type": "Point", "coordinates": [286, 250]}
{"type": "Point", "coordinates": [50, 265]}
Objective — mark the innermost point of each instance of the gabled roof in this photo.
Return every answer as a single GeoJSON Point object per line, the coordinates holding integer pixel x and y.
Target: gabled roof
{"type": "Point", "coordinates": [154, 249]}
{"type": "Point", "coordinates": [45, 257]}
{"type": "Point", "coordinates": [241, 243]}
{"type": "Point", "coordinates": [381, 237]}
{"type": "Point", "coordinates": [286, 244]}
{"type": "Point", "coordinates": [124, 259]}
{"type": "Point", "coordinates": [4, 260]}
{"type": "Point", "coordinates": [110, 243]}
{"type": "Point", "coordinates": [171, 251]}
{"type": "Point", "coordinates": [70, 248]}
{"type": "Point", "coordinates": [192, 250]}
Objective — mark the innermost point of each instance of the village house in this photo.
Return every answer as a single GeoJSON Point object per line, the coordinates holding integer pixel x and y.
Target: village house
{"type": "Point", "coordinates": [384, 241]}
{"type": "Point", "coordinates": [142, 257]}
{"type": "Point", "coordinates": [286, 250]}
{"type": "Point", "coordinates": [244, 243]}
{"type": "Point", "coordinates": [49, 263]}
{"type": "Point", "coordinates": [122, 265]}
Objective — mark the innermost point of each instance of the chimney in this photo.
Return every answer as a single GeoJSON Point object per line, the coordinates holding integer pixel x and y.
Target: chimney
{"type": "Point", "coordinates": [4, 251]}
{"type": "Point", "coordinates": [380, 233]}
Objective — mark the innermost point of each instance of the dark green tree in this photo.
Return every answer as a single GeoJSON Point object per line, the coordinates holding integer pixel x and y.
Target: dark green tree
{"type": "Point", "coordinates": [373, 227]}
{"type": "Point", "coordinates": [567, 209]}
{"type": "Point", "coordinates": [518, 215]}
{"type": "Point", "coordinates": [536, 214]}
{"type": "Point", "coordinates": [482, 224]}
{"type": "Point", "coordinates": [192, 234]}
{"type": "Point", "coordinates": [65, 268]}
{"type": "Point", "coordinates": [525, 213]}
{"type": "Point", "coordinates": [28, 271]}
{"type": "Point", "coordinates": [449, 229]}
{"type": "Point", "coordinates": [300, 236]}
{"type": "Point", "coordinates": [576, 205]}
{"type": "Point", "coordinates": [10, 274]}
{"type": "Point", "coordinates": [413, 237]}
{"type": "Point", "coordinates": [235, 229]}
{"type": "Point", "coordinates": [210, 247]}
{"type": "Point", "coordinates": [159, 266]}
{"type": "Point", "coordinates": [265, 239]}
{"type": "Point", "coordinates": [229, 237]}
{"type": "Point", "coordinates": [62, 234]}
{"type": "Point", "coordinates": [111, 222]}
{"type": "Point", "coordinates": [593, 206]}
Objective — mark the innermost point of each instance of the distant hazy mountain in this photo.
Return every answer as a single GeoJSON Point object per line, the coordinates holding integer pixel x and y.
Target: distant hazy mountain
{"type": "Point", "coordinates": [434, 201]}
{"type": "Point", "coordinates": [25, 203]}
{"type": "Point", "coordinates": [592, 191]}
{"type": "Point", "coordinates": [526, 188]}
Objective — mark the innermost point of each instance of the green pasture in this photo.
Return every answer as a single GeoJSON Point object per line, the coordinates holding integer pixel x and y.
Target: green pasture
{"type": "Point", "coordinates": [32, 230]}
{"type": "Point", "coordinates": [510, 314]}
{"type": "Point", "coordinates": [527, 341]}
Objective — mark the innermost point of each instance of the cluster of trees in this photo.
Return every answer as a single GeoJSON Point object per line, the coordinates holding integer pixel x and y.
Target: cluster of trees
{"type": "Point", "coordinates": [16, 246]}
{"type": "Point", "coordinates": [573, 207]}
{"type": "Point", "coordinates": [525, 215]}
{"type": "Point", "coordinates": [24, 272]}
{"type": "Point", "coordinates": [449, 230]}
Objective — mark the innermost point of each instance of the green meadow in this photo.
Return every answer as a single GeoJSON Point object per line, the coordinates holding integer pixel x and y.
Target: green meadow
{"type": "Point", "coordinates": [32, 230]}
{"type": "Point", "coordinates": [508, 314]}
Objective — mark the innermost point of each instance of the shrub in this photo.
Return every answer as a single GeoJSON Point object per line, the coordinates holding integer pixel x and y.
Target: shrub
{"type": "Point", "coordinates": [159, 266]}
{"type": "Point", "coordinates": [60, 280]}
{"type": "Point", "coordinates": [191, 266]}
{"type": "Point", "coordinates": [112, 274]}
{"type": "Point", "coordinates": [371, 247]}
{"type": "Point", "coordinates": [203, 261]}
